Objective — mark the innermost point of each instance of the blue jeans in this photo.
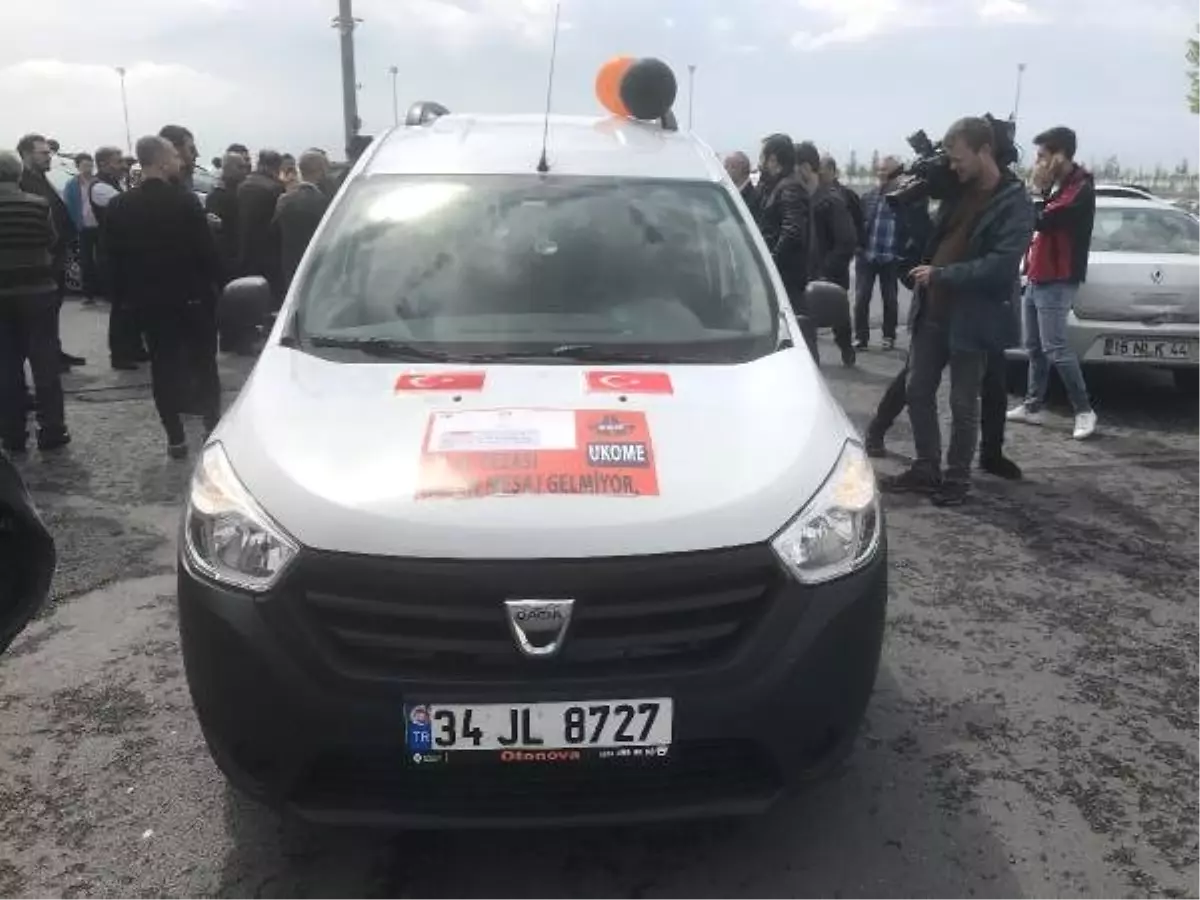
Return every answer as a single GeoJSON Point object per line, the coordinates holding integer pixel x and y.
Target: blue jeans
{"type": "Point", "coordinates": [1046, 307]}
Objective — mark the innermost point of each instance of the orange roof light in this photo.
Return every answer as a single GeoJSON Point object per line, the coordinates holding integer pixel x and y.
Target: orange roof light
{"type": "Point", "coordinates": [637, 89]}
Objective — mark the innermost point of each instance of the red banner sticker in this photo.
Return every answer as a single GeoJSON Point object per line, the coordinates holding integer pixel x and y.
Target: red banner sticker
{"type": "Point", "coordinates": [514, 452]}
{"type": "Point", "coordinates": [442, 381]}
{"type": "Point", "coordinates": [622, 382]}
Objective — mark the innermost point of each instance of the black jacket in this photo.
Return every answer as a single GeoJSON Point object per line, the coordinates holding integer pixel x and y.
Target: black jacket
{"type": "Point", "coordinates": [257, 253]}
{"type": "Point", "coordinates": [27, 242]}
{"type": "Point", "coordinates": [855, 205]}
{"type": "Point", "coordinates": [786, 223]}
{"type": "Point", "coordinates": [835, 239]}
{"type": "Point", "coordinates": [297, 216]}
{"type": "Point", "coordinates": [986, 284]}
{"type": "Point", "coordinates": [1062, 237]}
{"type": "Point", "coordinates": [222, 202]}
{"type": "Point", "coordinates": [751, 198]}
{"type": "Point", "coordinates": [161, 254]}
{"type": "Point", "coordinates": [64, 226]}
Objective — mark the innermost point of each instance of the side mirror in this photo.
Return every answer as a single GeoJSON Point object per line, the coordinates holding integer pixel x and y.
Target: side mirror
{"type": "Point", "coordinates": [27, 556]}
{"type": "Point", "coordinates": [828, 304]}
{"type": "Point", "coordinates": [244, 302]}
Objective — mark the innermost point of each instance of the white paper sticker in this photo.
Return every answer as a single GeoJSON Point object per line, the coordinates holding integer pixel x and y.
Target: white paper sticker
{"type": "Point", "coordinates": [502, 430]}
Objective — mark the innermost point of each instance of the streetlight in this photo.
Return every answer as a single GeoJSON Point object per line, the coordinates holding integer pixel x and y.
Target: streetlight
{"type": "Point", "coordinates": [345, 23]}
{"type": "Point", "coordinates": [125, 107]}
{"type": "Point", "coordinates": [1017, 101]}
{"type": "Point", "coordinates": [394, 71]}
{"type": "Point", "coordinates": [691, 93]}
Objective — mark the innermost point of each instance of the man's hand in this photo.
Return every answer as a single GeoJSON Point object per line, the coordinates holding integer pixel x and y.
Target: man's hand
{"type": "Point", "coordinates": [922, 274]}
{"type": "Point", "coordinates": [1043, 177]}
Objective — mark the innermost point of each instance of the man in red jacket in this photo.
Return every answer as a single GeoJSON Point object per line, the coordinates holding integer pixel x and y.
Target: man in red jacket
{"type": "Point", "coordinates": [1056, 265]}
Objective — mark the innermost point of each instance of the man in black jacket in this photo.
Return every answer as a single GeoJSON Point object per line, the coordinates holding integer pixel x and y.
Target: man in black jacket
{"type": "Point", "coordinates": [28, 313]}
{"type": "Point", "coordinates": [257, 196]}
{"type": "Point", "coordinates": [222, 203]}
{"type": "Point", "coordinates": [165, 265]}
{"type": "Point", "coordinates": [963, 291]}
{"type": "Point", "coordinates": [298, 213]}
{"type": "Point", "coordinates": [35, 154]}
{"type": "Point", "coordinates": [184, 143]}
{"type": "Point", "coordinates": [834, 242]}
{"type": "Point", "coordinates": [786, 224]}
{"type": "Point", "coordinates": [126, 347]}
{"type": "Point", "coordinates": [829, 178]}
{"type": "Point", "coordinates": [737, 166]}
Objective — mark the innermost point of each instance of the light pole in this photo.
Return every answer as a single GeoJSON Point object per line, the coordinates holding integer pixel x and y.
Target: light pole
{"type": "Point", "coordinates": [345, 23]}
{"type": "Point", "coordinates": [1017, 101]}
{"type": "Point", "coordinates": [125, 108]}
{"type": "Point", "coordinates": [394, 71]}
{"type": "Point", "coordinates": [691, 94]}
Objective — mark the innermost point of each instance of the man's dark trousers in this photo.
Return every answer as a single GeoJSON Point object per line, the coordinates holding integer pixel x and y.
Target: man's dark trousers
{"type": "Point", "coordinates": [124, 333]}
{"type": "Point", "coordinates": [29, 330]}
{"type": "Point", "coordinates": [929, 356]}
{"type": "Point", "coordinates": [993, 406]}
{"type": "Point", "coordinates": [888, 274]}
{"type": "Point", "coordinates": [182, 339]}
{"type": "Point", "coordinates": [89, 272]}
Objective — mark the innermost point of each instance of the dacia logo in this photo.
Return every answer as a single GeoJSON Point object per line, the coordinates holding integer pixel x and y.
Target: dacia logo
{"type": "Point", "coordinates": [539, 626]}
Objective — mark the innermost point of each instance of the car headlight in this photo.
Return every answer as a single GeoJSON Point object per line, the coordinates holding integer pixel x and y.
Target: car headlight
{"type": "Point", "coordinates": [839, 530]}
{"type": "Point", "coordinates": [227, 535]}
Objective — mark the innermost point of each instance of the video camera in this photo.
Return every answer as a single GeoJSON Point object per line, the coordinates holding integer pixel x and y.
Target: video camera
{"type": "Point", "coordinates": [929, 175]}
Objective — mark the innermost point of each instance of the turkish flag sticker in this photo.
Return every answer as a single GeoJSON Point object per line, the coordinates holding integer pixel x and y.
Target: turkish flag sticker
{"type": "Point", "coordinates": [623, 382]}
{"type": "Point", "coordinates": [442, 381]}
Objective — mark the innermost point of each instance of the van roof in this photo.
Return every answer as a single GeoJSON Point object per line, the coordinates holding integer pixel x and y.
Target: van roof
{"type": "Point", "coordinates": [577, 145]}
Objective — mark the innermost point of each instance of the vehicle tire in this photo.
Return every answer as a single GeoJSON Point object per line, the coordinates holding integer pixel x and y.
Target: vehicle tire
{"type": "Point", "coordinates": [1187, 381]}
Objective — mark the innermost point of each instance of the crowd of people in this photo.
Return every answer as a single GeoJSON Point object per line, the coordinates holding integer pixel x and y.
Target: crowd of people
{"type": "Point", "coordinates": [158, 255]}
{"type": "Point", "coordinates": [160, 258]}
{"type": "Point", "coordinates": [964, 268]}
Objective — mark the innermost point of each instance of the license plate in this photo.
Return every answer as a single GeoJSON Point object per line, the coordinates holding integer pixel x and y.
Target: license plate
{"type": "Point", "coordinates": [525, 730]}
{"type": "Point", "coordinates": [1149, 348]}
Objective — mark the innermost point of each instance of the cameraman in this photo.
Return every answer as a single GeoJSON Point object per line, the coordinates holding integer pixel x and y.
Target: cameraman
{"type": "Point", "coordinates": [962, 297]}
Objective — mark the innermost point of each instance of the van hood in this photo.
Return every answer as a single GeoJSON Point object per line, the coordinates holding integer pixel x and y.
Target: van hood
{"type": "Point", "coordinates": [359, 458]}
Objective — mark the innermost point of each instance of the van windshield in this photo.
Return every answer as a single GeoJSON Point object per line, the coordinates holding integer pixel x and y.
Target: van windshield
{"type": "Point", "coordinates": [527, 267]}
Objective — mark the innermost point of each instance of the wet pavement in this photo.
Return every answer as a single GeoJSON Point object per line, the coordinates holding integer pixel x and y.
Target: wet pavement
{"type": "Point", "coordinates": [1033, 730]}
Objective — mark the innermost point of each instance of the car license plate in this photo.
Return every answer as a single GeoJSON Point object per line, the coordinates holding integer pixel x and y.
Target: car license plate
{"type": "Point", "coordinates": [1150, 348]}
{"type": "Point", "coordinates": [526, 731]}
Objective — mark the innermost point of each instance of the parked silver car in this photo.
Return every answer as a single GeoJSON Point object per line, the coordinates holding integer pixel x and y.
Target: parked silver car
{"type": "Point", "coordinates": [1141, 301]}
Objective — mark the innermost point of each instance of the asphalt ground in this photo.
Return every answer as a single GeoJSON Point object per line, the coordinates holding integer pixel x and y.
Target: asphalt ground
{"type": "Point", "coordinates": [1033, 730]}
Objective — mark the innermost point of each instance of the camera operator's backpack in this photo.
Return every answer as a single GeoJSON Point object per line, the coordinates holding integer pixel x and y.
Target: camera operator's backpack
{"type": "Point", "coordinates": [27, 556]}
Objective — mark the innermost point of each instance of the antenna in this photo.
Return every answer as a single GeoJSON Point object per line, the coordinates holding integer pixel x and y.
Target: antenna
{"type": "Point", "coordinates": [543, 165]}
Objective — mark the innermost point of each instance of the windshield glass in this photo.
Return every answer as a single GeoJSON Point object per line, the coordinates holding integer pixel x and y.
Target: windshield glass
{"type": "Point", "coordinates": [517, 265]}
{"type": "Point", "coordinates": [1145, 230]}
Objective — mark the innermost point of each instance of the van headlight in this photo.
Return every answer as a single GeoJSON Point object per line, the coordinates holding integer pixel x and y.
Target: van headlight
{"type": "Point", "coordinates": [839, 530]}
{"type": "Point", "coordinates": [227, 535]}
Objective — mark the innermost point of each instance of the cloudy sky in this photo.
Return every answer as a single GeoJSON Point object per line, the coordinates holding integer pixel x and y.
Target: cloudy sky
{"type": "Point", "coordinates": [848, 74]}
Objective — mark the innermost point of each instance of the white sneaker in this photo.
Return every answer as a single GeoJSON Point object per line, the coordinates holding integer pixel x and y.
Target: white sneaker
{"type": "Point", "coordinates": [1024, 415]}
{"type": "Point", "coordinates": [1085, 426]}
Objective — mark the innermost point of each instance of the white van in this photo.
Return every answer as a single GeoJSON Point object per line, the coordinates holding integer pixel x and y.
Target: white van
{"type": "Point", "coordinates": [535, 507]}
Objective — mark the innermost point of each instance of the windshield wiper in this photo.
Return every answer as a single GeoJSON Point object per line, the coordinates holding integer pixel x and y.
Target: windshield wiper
{"type": "Point", "coordinates": [610, 353]}
{"type": "Point", "coordinates": [386, 347]}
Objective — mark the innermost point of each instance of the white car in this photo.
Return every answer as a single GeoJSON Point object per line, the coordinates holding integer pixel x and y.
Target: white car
{"type": "Point", "coordinates": [1124, 192]}
{"type": "Point", "coordinates": [535, 507]}
{"type": "Point", "coordinates": [1140, 303]}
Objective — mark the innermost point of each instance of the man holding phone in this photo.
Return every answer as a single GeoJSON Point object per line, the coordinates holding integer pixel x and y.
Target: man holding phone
{"type": "Point", "coordinates": [1056, 265]}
